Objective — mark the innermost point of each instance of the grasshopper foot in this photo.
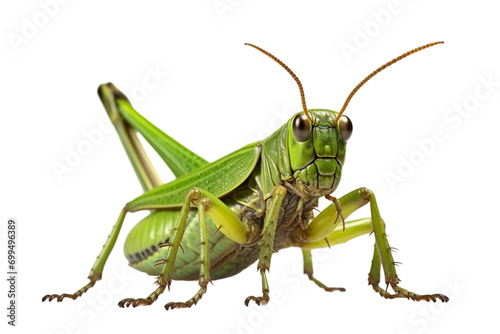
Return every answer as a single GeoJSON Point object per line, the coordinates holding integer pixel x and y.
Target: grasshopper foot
{"type": "Point", "coordinates": [324, 287]}
{"type": "Point", "coordinates": [403, 293]}
{"type": "Point", "coordinates": [71, 295]}
{"type": "Point", "coordinates": [259, 300]}
{"type": "Point", "coordinates": [416, 297]}
{"type": "Point", "coordinates": [59, 297]}
{"type": "Point", "coordinates": [142, 301]}
{"type": "Point", "coordinates": [172, 305]}
{"type": "Point", "coordinates": [203, 288]}
{"type": "Point", "coordinates": [135, 302]}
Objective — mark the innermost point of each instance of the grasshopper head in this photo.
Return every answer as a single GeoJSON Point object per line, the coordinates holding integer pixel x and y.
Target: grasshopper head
{"type": "Point", "coordinates": [316, 139]}
{"type": "Point", "coordinates": [316, 150]}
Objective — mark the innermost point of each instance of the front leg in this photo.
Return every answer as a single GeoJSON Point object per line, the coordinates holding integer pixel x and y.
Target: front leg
{"type": "Point", "coordinates": [324, 230]}
{"type": "Point", "coordinates": [382, 255]}
{"type": "Point", "coordinates": [266, 244]}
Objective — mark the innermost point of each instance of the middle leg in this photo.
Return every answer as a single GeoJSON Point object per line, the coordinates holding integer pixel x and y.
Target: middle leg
{"type": "Point", "coordinates": [204, 262]}
{"type": "Point", "coordinates": [270, 222]}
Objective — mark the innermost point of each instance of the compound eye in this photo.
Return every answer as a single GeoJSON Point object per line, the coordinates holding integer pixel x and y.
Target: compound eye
{"type": "Point", "coordinates": [345, 126]}
{"type": "Point", "coordinates": [301, 127]}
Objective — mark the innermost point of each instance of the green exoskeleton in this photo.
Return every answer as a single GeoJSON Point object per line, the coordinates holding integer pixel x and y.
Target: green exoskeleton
{"type": "Point", "coordinates": [216, 219]}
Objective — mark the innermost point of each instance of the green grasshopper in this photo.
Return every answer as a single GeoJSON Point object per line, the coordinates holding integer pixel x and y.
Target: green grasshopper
{"type": "Point", "coordinates": [252, 202]}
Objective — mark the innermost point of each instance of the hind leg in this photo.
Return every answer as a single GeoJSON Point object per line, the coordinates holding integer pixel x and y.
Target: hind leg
{"type": "Point", "coordinates": [97, 269]}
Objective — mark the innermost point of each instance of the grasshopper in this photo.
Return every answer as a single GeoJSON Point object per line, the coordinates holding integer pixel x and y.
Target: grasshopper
{"type": "Point", "coordinates": [228, 214]}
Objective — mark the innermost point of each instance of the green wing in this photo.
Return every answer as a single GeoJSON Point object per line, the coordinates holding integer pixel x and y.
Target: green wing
{"type": "Point", "coordinates": [219, 178]}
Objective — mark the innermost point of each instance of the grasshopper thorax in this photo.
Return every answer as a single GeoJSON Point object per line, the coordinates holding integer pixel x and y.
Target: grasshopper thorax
{"type": "Point", "coordinates": [316, 150]}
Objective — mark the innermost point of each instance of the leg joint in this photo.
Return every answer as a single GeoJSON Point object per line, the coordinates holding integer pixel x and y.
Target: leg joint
{"type": "Point", "coordinates": [366, 193]}
{"type": "Point", "coordinates": [194, 194]}
{"type": "Point", "coordinates": [196, 198]}
{"type": "Point", "coordinates": [278, 189]}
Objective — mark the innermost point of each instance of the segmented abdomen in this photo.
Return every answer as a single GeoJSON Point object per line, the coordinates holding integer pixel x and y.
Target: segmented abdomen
{"type": "Point", "coordinates": [141, 244]}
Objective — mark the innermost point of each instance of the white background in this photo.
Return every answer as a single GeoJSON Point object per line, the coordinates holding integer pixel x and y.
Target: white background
{"type": "Point", "coordinates": [218, 95]}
